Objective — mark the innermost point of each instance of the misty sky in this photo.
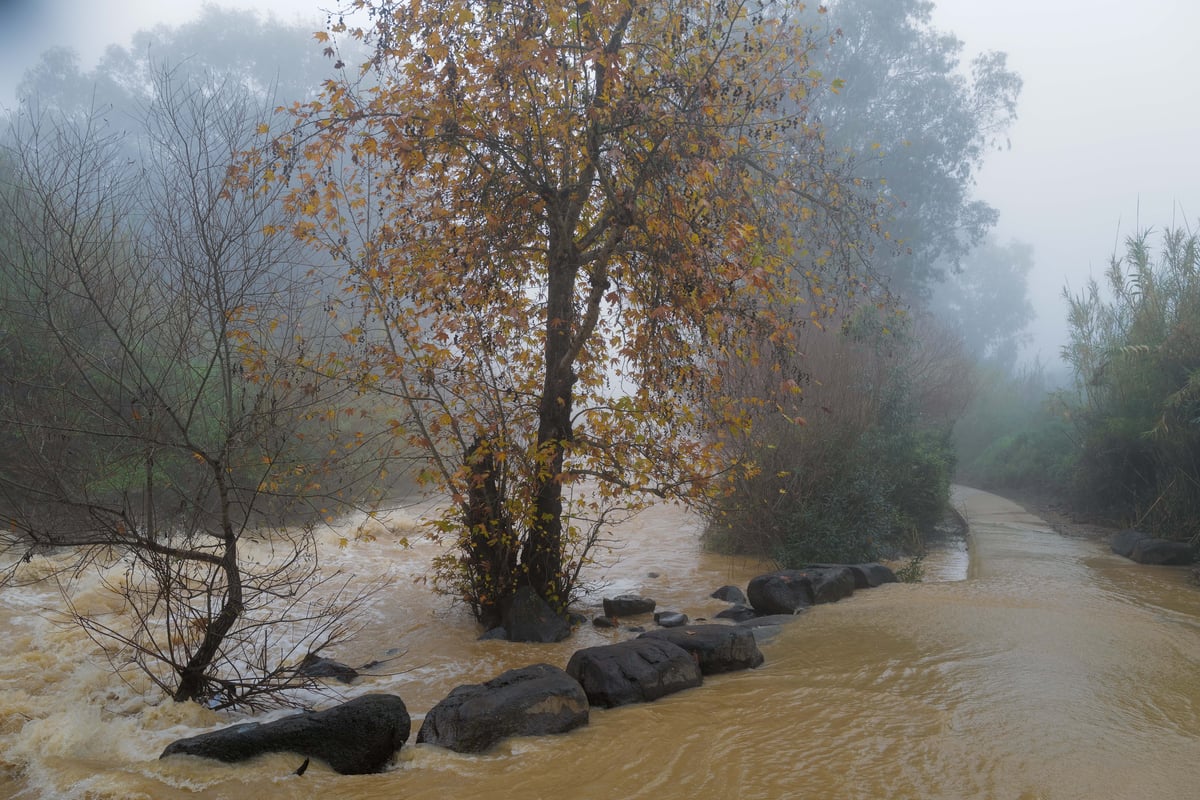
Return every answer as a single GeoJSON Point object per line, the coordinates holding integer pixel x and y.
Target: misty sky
{"type": "Point", "coordinates": [1109, 120]}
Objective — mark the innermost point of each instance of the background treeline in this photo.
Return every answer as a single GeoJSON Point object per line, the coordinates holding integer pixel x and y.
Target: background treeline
{"type": "Point", "coordinates": [1120, 441]}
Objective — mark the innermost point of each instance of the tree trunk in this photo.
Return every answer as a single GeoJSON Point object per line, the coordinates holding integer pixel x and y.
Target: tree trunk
{"type": "Point", "coordinates": [491, 547]}
{"type": "Point", "coordinates": [192, 677]}
{"type": "Point", "coordinates": [542, 553]}
{"type": "Point", "coordinates": [192, 680]}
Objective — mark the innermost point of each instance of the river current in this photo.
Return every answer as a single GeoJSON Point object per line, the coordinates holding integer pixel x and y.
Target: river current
{"type": "Point", "coordinates": [1031, 665]}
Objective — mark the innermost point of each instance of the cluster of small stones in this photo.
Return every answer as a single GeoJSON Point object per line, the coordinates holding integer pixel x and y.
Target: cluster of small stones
{"type": "Point", "coordinates": [364, 734]}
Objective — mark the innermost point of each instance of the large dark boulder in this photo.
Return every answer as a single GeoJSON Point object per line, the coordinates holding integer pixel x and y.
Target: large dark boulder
{"type": "Point", "coordinates": [783, 592]}
{"type": "Point", "coordinates": [530, 701]}
{"type": "Point", "coordinates": [627, 605]}
{"type": "Point", "coordinates": [866, 576]}
{"type": "Point", "coordinates": [716, 648]}
{"type": "Point", "coordinates": [357, 737]}
{"type": "Point", "coordinates": [830, 584]}
{"type": "Point", "coordinates": [633, 671]}
{"type": "Point", "coordinates": [1123, 542]}
{"type": "Point", "coordinates": [1163, 552]}
{"type": "Point", "coordinates": [789, 590]}
{"type": "Point", "coordinates": [529, 618]}
{"type": "Point", "coordinates": [872, 575]}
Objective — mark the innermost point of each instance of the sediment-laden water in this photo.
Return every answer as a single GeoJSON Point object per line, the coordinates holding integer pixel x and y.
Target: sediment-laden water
{"type": "Point", "coordinates": [1054, 670]}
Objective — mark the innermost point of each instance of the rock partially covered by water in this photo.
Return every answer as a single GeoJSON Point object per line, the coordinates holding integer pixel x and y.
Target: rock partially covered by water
{"type": "Point", "coordinates": [866, 576]}
{"type": "Point", "coordinates": [633, 671]}
{"type": "Point", "coordinates": [730, 594]}
{"type": "Point", "coordinates": [355, 738]}
{"type": "Point", "coordinates": [789, 590]}
{"type": "Point", "coordinates": [529, 618]}
{"type": "Point", "coordinates": [315, 666]}
{"type": "Point", "coordinates": [1123, 542]}
{"type": "Point", "coordinates": [716, 648]}
{"type": "Point", "coordinates": [737, 613]}
{"type": "Point", "coordinates": [530, 701]}
{"type": "Point", "coordinates": [1163, 552]}
{"type": "Point", "coordinates": [627, 605]}
{"type": "Point", "coordinates": [671, 619]}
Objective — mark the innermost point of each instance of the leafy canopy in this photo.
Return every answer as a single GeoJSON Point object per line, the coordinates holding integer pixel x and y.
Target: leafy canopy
{"type": "Point", "coordinates": [558, 220]}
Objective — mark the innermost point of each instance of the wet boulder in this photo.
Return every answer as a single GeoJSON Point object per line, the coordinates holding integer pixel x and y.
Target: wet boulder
{"type": "Point", "coordinates": [831, 584]}
{"type": "Point", "coordinates": [531, 701]}
{"type": "Point", "coordinates": [730, 594]}
{"type": "Point", "coordinates": [529, 618]}
{"type": "Point", "coordinates": [627, 605]}
{"type": "Point", "coordinates": [1124, 542]}
{"type": "Point", "coordinates": [783, 592]}
{"type": "Point", "coordinates": [789, 590]}
{"type": "Point", "coordinates": [315, 666]}
{"type": "Point", "coordinates": [1163, 552]}
{"type": "Point", "coordinates": [737, 613]}
{"type": "Point", "coordinates": [355, 738]}
{"type": "Point", "coordinates": [866, 576]}
{"type": "Point", "coordinates": [716, 648]}
{"type": "Point", "coordinates": [633, 671]}
{"type": "Point", "coordinates": [671, 619]}
{"type": "Point", "coordinates": [871, 575]}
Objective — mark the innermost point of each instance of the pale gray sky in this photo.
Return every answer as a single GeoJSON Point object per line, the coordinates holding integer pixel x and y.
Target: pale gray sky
{"type": "Point", "coordinates": [1108, 131]}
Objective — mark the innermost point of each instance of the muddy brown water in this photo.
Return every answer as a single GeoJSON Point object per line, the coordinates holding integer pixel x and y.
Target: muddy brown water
{"type": "Point", "coordinates": [1034, 666]}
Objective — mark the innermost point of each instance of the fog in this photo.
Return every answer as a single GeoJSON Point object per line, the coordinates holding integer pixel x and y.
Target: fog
{"type": "Point", "coordinates": [1105, 141]}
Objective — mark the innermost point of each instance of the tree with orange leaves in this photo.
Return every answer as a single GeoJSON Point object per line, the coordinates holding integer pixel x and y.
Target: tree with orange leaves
{"type": "Point", "coordinates": [558, 220]}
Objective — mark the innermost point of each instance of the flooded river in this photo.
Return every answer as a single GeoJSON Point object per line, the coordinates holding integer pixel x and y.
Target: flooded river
{"type": "Point", "coordinates": [1053, 670]}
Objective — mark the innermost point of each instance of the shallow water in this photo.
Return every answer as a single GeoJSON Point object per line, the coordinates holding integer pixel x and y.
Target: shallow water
{"type": "Point", "coordinates": [1055, 670]}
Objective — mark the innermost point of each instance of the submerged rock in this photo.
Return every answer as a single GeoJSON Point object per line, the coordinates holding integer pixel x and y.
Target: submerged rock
{"type": "Point", "coordinates": [716, 648]}
{"type": "Point", "coordinates": [633, 671]}
{"type": "Point", "coordinates": [530, 701]}
{"type": "Point", "coordinates": [355, 738]}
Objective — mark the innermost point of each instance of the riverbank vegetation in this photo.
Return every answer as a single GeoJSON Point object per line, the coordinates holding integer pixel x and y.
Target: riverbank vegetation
{"type": "Point", "coordinates": [1120, 441]}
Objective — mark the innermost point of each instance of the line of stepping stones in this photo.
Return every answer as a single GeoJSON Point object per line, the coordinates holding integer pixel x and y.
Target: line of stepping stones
{"type": "Point", "coordinates": [363, 734]}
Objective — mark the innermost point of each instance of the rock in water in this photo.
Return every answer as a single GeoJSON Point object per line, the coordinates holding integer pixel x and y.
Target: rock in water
{"type": "Point", "coordinates": [716, 648]}
{"type": "Point", "coordinates": [1162, 552]}
{"type": "Point", "coordinates": [730, 594]}
{"type": "Point", "coordinates": [315, 666]}
{"type": "Point", "coordinates": [355, 738]}
{"type": "Point", "coordinates": [783, 592]}
{"type": "Point", "coordinates": [1123, 542]}
{"type": "Point", "coordinates": [789, 590]}
{"type": "Point", "coordinates": [866, 576]}
{"type": "Point", "coordinates": [529, 618]}
{"type": "Point", "coordinates": [633, 671]}
{"type": "Point", "coordinates": [531, 701]}
{"type": "Point", "coordinates": [627, 605]}
{"type": "Point", "coordinates": [670, 619]}
{"type": "Point", "coordinates": [737, 613]}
